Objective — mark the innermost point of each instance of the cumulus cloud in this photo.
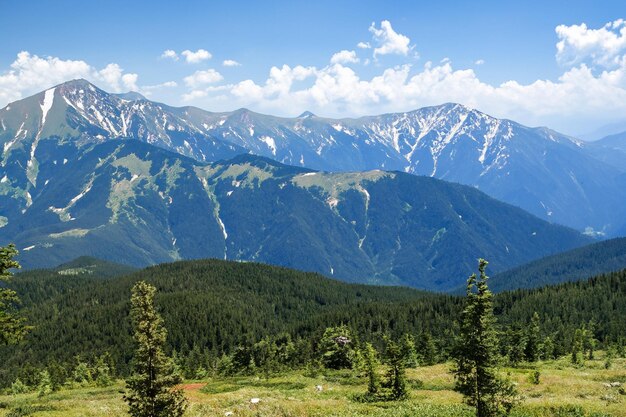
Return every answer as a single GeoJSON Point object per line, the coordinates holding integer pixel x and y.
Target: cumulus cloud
{"type": "Point", "coordinates": [363, 45]}
{"type": "Point", "coordinates": [169, 54]}
{"type": "Point", "coordinates": [113, 75]}
{"type": "Point", "coordinates": [604, 47]}
{"type": "Point", "coordinates": [479, 62]}
{"type": "Point", "coordinates": [29, 74]}
{"type": "Point", "coordinates": [197, 56]}
{"type": "Point", "coordinates": [230, 63]}
{"type": "Point", "coordinates": [344, 57]}
{"type": "Point", "coordinates": [200, 78]}
{"type": "Point", "coordinates": [388, 40]}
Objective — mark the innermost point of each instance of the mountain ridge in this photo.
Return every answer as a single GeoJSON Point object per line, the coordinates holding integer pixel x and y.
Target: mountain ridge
{"type": "Point", "coordinates": [551, 175]}
{"type": "Point", "coordinates": [136, 203]}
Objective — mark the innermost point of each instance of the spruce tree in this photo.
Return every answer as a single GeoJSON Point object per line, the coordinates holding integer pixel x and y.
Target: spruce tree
{"type": "Point", "coordinates": [371, 369]}
{"type": "Point", "coordinates": [427, 349]}
{"type": "Point", "coordinates": [577, 347]}
{"type": "Point", "coordinates": [531, 352]}
{"type": "Point", "coordinates": [153, 377]}
{"type": "Point", "coordinates": [396, 374]}
{"type": "Point", "coordinates": [476, 352]}
{"type": "Point", "coordinates": [12, 327]}
{"type": "Point", "coordinates": [45, 384]}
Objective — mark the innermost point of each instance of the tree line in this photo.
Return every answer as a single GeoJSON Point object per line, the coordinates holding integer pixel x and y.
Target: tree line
{"type": "Point", "coordinates": [303, 321]}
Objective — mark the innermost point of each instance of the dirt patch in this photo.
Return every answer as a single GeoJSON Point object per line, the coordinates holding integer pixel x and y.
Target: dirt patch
{"type": "Point", "coordinates": [191, 387]}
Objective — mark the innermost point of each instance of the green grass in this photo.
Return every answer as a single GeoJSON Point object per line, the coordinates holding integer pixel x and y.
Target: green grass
{"type": "Point", "coordinates": [563, 391]}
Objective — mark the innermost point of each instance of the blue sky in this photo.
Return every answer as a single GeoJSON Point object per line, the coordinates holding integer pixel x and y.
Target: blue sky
{"type": "Point", "coordinates": [500, 57]}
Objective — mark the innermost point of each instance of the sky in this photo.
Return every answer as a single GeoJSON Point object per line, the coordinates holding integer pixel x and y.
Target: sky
{"type": "Point", "coordinates": [554, 63]}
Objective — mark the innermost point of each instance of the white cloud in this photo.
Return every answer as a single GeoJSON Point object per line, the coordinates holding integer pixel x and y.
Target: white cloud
{"type": "Point", "coordinates": [388, 40]}
{"type": "Point", "coordinates": [200, 78]}
{"type": "Point", "coordinates": [169, 54]}
{"type": "Point", "coordinates": [603, 47]}
{"type": "Point", "coordinates": [479, 62]}
{"type": "Point", "coordinates": [363, 45]}
{"type": "Point", "coordinates": [113, 75]}
{"type": "Point", "coordinates": [230, 63]}
{"type": "Point", "coordinates": [29, 74]}
{"type": "Point", "coordinates": [344, 57]}
{"type": "Point", "coordinates": [195, 57]}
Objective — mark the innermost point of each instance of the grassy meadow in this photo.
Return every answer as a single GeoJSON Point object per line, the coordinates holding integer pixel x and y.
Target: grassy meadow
{"type": "Point", "coordinates": [563, 391]}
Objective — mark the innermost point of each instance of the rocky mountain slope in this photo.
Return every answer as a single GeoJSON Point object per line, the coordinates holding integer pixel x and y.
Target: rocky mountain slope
{"type": "Point", "coordinates": [548, 174]}
{"type": "Point", "coordinates": [135, 203]}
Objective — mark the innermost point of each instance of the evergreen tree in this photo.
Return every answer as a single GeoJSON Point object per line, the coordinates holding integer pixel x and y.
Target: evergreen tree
{"type": "Point", "coordinates": [12, 327]}
{"type": "Point", "coordinates": [577, 347]}
{"type": "Point", "coordinates": [82, 374]}
{"type": "Point", "coordinates": [589, 341]}
{"type": "Point", "coordinates": [476, 352]}
{"type": "Point", "coordinates": [516, 345]}
{"type": "Point", "coordinates": [371, 369]}
{"type": "Point", "coordinates": [153, 377]}
{"type": "Point", "coordinates": [396, 361]}
{"type": "Point", "coordinates": [531, 351]}
{"type": "Point", "coordinates": [103, 372]}
{"type": "Point", "coordinates": [427, 350]}
{"type": "Point", "coordinates": [336, 347]}
{"type": "Point", "coordinates": [409, 351]}
{"type": "Point", "coordinates": [18, 387]}
{"type": "Point", "coordinates": [547, 349]}
{"type": "Point", "coordinates": [45, 384]}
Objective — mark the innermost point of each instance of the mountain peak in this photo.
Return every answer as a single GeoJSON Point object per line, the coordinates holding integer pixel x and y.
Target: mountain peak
{"type": "Point", "coordinates": [306, 115]}
{"type": "Point", "coordinates": [77, 83]}
{"type": "Point", "coordinates": [131, 96]}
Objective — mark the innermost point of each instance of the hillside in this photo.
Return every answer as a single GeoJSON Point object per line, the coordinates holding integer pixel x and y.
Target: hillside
{"type": "Point", "coordinates": [134, 203]}
{"type": "Point", "coordinates": [219, 305]}
{"type": "Point", "coordinates": [580, 263]}
{"type": "Point", "coordinates": [550, 175]}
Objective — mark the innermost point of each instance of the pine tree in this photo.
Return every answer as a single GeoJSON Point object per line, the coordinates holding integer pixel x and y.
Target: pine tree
{"type": "Point", "coordinates": [577, 347]}
{"type": "Point", "coordinates": [153, 377]}
{"type": "Point", "coordinates": [371, 369]}
{"type": "Point", "coordinates": [531, 352]}
{"type": "Point", "coordinates": [103, 372]}
{"type": "Point", "coordinates": [409, 351]}
{"type": "Point", "coordinates": [547, 349]}
{"type": "Point", "coordinates": [427, 349]}
{"type": "Point", "coordinates": [45, 384]}
{"type": "Point", "coordinates": [589, 341]}
{"type": "Point", "coordinates": [476, 352]}
{"type": "Point", "coordinates": [396, 361]}
{"type": "Point", "coordinates": [336, 347]}
{"type": "Point", "coordinates": [12, 327]}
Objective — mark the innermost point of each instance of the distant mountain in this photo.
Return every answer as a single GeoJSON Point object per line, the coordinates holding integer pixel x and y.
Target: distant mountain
{"type": "Point", "coordinates": [574, 265]}
{"type": "Point", "coordinates": [611, 150]}
{"type": "Point", "coordinates": [548, 174]}
{"type": "Point", "coordinates": [138, 204]}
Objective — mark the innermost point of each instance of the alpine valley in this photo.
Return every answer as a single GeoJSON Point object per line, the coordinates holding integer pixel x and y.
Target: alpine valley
{"type": "Point", "coordinates": [119, 177]}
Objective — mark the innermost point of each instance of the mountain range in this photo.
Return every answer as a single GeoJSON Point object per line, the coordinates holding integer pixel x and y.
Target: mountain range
{"type": "Point", "coordinates": [550, 175]}
{"type": "Point", "coordinates": [138, 204]}
{"type": "Point", "coordinates": [119, 177]}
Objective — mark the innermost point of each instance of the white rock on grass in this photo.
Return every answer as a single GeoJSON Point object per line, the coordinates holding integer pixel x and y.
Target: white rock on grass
{"type": "Point", "coordinates": [255, 400]}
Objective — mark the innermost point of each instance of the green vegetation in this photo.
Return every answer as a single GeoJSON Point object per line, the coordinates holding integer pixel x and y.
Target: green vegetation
{"type": "Point", "coordinates": [476, 353]}
{"type": "Point", "coordinates": [309, 346]}
{"type": "Point", "coordinates": [153, 374]}
{"type": "Point", "coordinates": [574, 265]}
{"type": "Point", "coordinates": [564, 391]}
{"type": "Point", "coordinates": [12, 326]}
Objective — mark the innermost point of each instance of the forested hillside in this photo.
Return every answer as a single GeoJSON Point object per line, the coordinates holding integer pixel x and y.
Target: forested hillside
{"type": "Point", "coordinates": [573, 265]}
{"type": "Point", "coordinates": [213, 306]}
